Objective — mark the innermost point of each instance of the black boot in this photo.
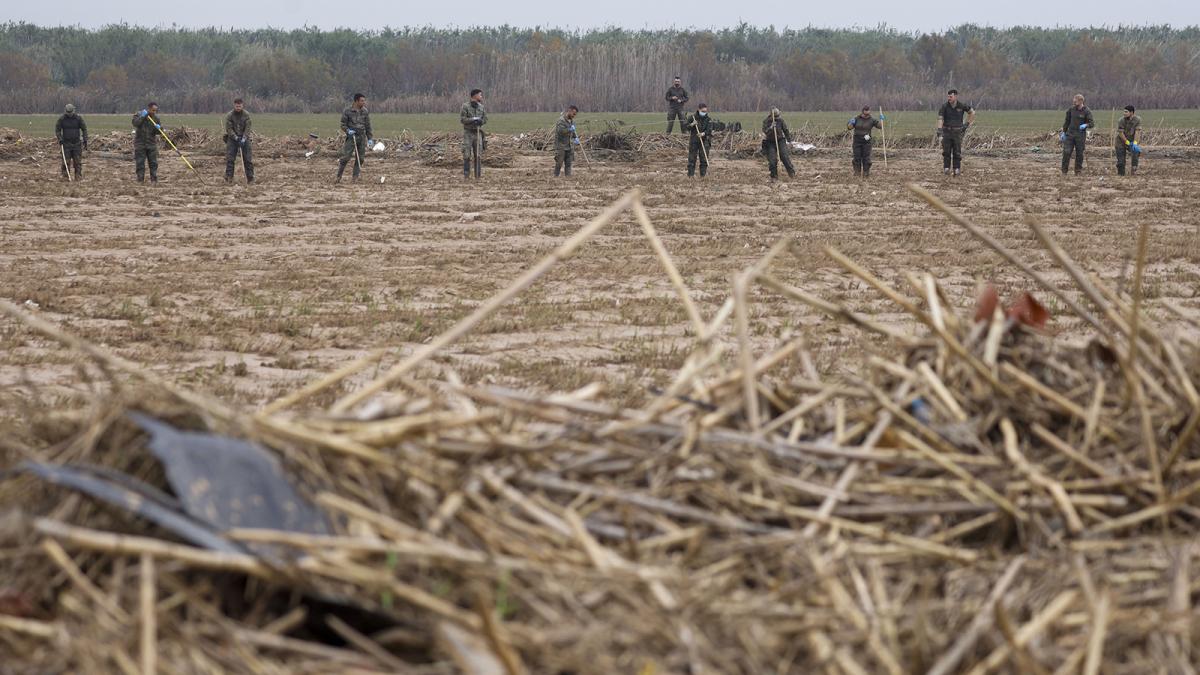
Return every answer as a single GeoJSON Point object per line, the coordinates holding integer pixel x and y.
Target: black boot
{"type": "Point", "coordinates": [466, 168]}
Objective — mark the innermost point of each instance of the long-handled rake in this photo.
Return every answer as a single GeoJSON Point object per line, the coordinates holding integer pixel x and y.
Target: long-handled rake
{"type": "Point", "coordinates": [883, 132]}
{"type": "Point", "coordinates": [66, 165]}
{"type": "Point", "coordinates": [177, 151]}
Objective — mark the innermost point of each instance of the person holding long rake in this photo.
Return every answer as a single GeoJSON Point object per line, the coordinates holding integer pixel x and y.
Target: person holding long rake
{"type": "Point", "coordinates": [775, 139]}
{"type": "Point", "coordinates": [356, 125]}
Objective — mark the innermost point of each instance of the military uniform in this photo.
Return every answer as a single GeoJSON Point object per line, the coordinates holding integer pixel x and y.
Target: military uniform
{"type": "Point", "coordinates": [675, 107]}
{"type": "Point", "coordinates": [237, 138]}
{"type": "Point", "coordinates": [862, 144]}
{"type": "Point", "coordinates": [71, 132]}
{"type": "Point", "coordinates": [1127, 130]}
{"type": "Point", "coordinates": [358, 120]}
{"type": "Point", "coordinates": [1076, 138]}
{"type": "Point", "coordinates": [954, 127]}
{"type": "Point", "coordinates": [145, 145]}
{"type": "Point", "coordinates": [564, 144]}
{"type": "Point", "coordinates": [701, 127]}
{"type": "Point", "coordinates": [473, 116]}
{"type": "Point", "coordinates": [775, 145]}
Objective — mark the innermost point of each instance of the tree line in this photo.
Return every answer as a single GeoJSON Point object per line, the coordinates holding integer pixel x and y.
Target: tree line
{"type": "Point", "coordinates": [118, 68]}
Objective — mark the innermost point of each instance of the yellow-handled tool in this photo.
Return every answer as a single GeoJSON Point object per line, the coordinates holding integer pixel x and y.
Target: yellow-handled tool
{"type": "Point", "coordinates": [177, 151]}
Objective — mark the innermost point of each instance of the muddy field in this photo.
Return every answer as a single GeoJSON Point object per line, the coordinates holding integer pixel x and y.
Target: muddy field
{"type": "Point", "coordinates": [248, 292]}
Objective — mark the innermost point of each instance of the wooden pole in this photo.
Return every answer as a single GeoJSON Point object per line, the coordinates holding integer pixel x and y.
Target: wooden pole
{"type": "Point", "coordinates": [883, 131]}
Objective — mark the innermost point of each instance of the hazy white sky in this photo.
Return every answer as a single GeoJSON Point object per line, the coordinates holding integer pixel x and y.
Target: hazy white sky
{"type": "Point", "coordinates": [912, 15]}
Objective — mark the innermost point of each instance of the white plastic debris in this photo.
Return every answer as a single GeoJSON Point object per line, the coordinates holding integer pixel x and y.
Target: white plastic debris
{"type": "Point", "coordinates": [803, 147]}
{"type": "Point", "coordinates": [310, 153]}
{"type": "Point", "coordinates": [31, 304]}
{"type": "Point", "coordinates": [382, 178]}
{"type": "Point", "coordinates": [379, 146]}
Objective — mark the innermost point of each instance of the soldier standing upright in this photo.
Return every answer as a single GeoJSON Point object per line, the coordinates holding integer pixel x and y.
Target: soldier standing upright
{"type": "Point", "coordinates": [473, 116]}
{"type": "Point", "coordinates": [356, 125]}
{"type": "Point", "coordinates": [700, 142]}
{"type": "Point", "coordinates": [237, 139]}
{"type": "Point", "coordinates": [863, 124]}
{"type": "Point", "coordinates": [775, 144]}
{"type": "Point", "coordinates": [1074, 133]}
{"type": "Point", "coordinates": [676, 97]}
{"type": "Point", "coordinates": [72, 134]}
{"type": "Point", "coordinates": [1127, 140]}
{"type": "Point", "coordinates": [951, 127]}
{"type": "Point", "coordinates": [147, 126]}
{"type": "Point", "coordinates": [565, 140]}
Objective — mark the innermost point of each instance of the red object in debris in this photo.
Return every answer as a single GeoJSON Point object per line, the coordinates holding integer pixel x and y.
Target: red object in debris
{"type": "Point", "coordinates": [985, 306]}
{"type": "Point", "coordinates": [1025, 309]}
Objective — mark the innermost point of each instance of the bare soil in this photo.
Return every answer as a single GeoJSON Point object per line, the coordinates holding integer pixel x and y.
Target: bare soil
{"type": "Point", "coordinates": [250, 291]}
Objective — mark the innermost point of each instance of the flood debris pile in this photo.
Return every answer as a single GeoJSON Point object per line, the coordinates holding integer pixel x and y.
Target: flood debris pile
{"type": "Point", "coordinates": [978, 495]}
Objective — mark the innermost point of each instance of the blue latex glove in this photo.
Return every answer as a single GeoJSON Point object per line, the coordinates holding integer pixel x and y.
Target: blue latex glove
{"type": "Point", "coordinates": [143, 112]}
{"type": "Point", "coordinates": [349, 132]}
{"type": "Point", "coordinates": [851, 122]}
{"type": "Point", "coordinates": [157, 125]}
{"type": "Point", "coordinates": [1062, 135]}
{"type": "Point", "coordinates": [370, 142]}
{"type": "Point", "coordinates": [241, 140]}
{"type": "Point", "coordinates": [572, 128]}
{"type": "Point", "coordinates": [1083, 127]}
{"type": "Point", "coordinates": [882, 117]}
{"type": "Point", "coordinates": [576, 141]}
{"type": "Point", "coordinates": [1137, 149]}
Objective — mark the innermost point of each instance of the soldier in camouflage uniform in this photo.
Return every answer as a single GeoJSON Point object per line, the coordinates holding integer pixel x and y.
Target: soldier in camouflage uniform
{"type": "Point", "coordinates": [146, 126]}
{"type": "Point", "coordinates": [565, 140]}
{"type": "Point", "coordinates": [1127, 140]}
{"type": "Point", "coordinates": [1074, 133]}
{"type": "Point", "coordinates": [862, 124]}
{"type": "Point", "coordinates": [473, 116]}
{"type": "Point", "coordinates": [951, 127]}
{"type": "Point", "coordinates": [356, 124]}
{"type": "Point", "coordinates": [237, 139]}
{"type": "Point", "coordinates": [775, 144]}
{"type": "Point", "coordinates": [701, 127]}
{"type": "Point", "coordinates": [676, 97]}
{"type": "Point", "coordinates": [72, 134]}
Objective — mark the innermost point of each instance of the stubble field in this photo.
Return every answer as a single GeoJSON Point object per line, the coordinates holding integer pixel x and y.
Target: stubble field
{"type": "Point", "coordinates": [250, 291]}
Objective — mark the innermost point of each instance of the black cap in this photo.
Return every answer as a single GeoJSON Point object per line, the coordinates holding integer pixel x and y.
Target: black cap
{"type": "Point", "coordinates": [702, 105]}
{"type": "Point", "coordinates": [1129, 108]}
{"type": "Point", "coordinates": [952, 91]}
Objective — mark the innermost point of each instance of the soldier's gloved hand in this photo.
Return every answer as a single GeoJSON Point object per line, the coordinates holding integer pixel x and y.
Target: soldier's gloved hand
{"type": "Point", "coordinates": [370, 142]}
{"type": "Point", "coordinates": [572, 128]}
{"type": "Point", "coordinates": [143, 112]}
{"type": "Point", "coordinates": [349, 132]}
{"type": "Point", "coordinates": [158, 126]}
{"type": "Point", "coordinates": [881, 117]}
{"type": "Point", "coordinates": [1137, 149]}
{"type": "Point", "coordinates": [576, 140]}
{"type": "Point", "coordinates": [1062, 136]}
{"type": "Point", "coordinates": [1083, 127]}
{"type": "Point", "coordinates": [851, 122]}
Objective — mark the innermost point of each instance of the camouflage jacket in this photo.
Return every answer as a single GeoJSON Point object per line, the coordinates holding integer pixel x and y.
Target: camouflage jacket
{"type": "Point", "coordinates": [780, 129]}
{"type": "Point", "coordinates": [864, 125]}
{"type": "Point", "coordinates": [563, 133]}
{"type": "Point", "coordinates": [237, 124]}
{"type": "Point", "coordinates": [1129, 126]}
{"type": "Point", "coordinates": [71, 129]}
{"type": "Point", "coordinates": [676, 93]}
{"type": "Point", "coordinates": [357, 119]}
{"type": "Point", "coordinates": [700, 125]}
{"type": "Point", "coordinates": [472, 116]}
{"type": "Point", "coordinates": [1076, 117]}
{"type": "Point", "coordinates": [144, 134]}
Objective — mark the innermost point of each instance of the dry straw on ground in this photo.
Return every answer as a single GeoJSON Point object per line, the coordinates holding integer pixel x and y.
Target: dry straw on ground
{"type": "Point", "coordinates": [980, 497]}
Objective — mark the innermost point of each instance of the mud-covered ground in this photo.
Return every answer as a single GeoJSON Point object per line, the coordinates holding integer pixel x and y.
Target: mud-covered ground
{"type": "Point", "coordinates": [249, 291]}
